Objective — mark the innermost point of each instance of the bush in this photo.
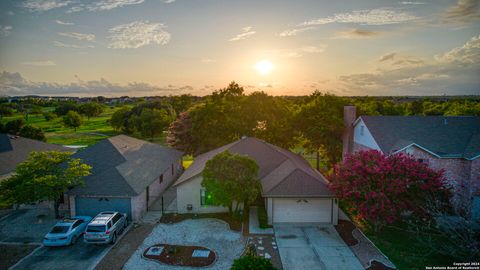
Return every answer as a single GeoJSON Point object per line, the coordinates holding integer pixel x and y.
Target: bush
{"type": "Point", "coordinates": [252, 263]}
{"type": "Point", "coordinates": [263, 218]}
{"type": "Point", "coordinates": [49, 116]}
{"type": "Point", "coordinates": [14, 126]}
{"type": "Point", "coordinates": [32, 133]}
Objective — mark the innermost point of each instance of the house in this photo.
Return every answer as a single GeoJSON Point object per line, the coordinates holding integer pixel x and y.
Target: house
{"type": "Point", "coordinates": [16, 149]}
{"type": "Point", "coordinates": [128, 175]}
{"type": "Point", "coordinates": [451, 143]}
{"type": "Point", "coordinates": [292, 190]}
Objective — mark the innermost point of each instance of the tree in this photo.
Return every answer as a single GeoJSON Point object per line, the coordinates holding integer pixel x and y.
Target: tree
{"type": "Point", "coordinates": [179, 134]}
{"type": "Point", "coordinates": [320, 121]}
{"type": "Point", "coordinates": [91, 109]}
{"type": "Point", "coordinates": [231, 178]}
{"type": "Point", "coordinates": [378, 188]}
{"type": "Point", "coordinates": [49, 116]}
{"type": "Point", "coordinates": [120, 120]}
{"type": "Point", "coordinates": [44, 176]}
{"type": "Point", "coordinates": [14, 126]}
{"type": "Point", "coordinates": [72, 119]}
{"type": "Point", "coordinates": [152, 122]}
{"type": "Point", "coordinates": [64, 108]}
{"type": "Point", "coordinates": [5, 110]}
{"type": "Point", "coordinates": [32, 133]}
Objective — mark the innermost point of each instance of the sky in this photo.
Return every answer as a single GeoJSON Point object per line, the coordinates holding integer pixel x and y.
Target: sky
{"type": "Point", "coordinates": [173, 47]}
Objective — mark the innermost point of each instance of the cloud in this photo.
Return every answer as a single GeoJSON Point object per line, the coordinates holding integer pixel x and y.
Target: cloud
{"type": "Point", "coordinates": [454, 72]}
{"type": "Point", "coordinates": [46, 63]}
{"type": "Point", "coordinates": [44, 5]}
{"type": "Point", "coordinates": [294, 32]}
{"type": "Point", "coordinates": [168, 1]}
{"type": "Point", "coordinates": [11, 13]}
{"type": "Point", "coordinates": [463, 11]}
{"type": "Point", "coordinates": [104, 5]}
{"type": "Point", "coordinates": [13, 83]}
{"type": "Point", "coordinates": [297, 52]}
{"type": "Point", "coordinates": [5, 30]}
{"type": "Point", "coordinates": [137, 34]}
{"type": "Point", "coordinates": [379, 16]}
{"type": "Point", "coordinates": [246, 33]}
{"type": "Point", "coordinates": [313, 49]}
{"type": "Point", "coordinates": [207, 60]}
{"type": "Point", "coordinates": [73, 46]}
{"type": "Point", "coordinates": [79, 36]}
{"type": "Point", "coordinates": [357, 33]}
{"type": "Point", "coordinates": [412, 3]}
{"type": "Point", "coordinates": [469, 53]}
{"type": "Point", "coordinates": [63, 23]}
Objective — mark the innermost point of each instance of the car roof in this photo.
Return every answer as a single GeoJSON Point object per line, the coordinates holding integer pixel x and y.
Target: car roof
{"type": "Point", "coordinates": [102, 218]}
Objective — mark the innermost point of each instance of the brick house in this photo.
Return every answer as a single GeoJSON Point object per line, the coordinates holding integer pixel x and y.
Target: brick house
{"type": "Point", "coordinates": [451, 143]}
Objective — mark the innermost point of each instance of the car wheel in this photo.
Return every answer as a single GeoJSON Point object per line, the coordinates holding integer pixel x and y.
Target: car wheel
{"type": "Point", "coordinates": [74, 240]}
{"type": "Point", "coordinates": [114, 239]}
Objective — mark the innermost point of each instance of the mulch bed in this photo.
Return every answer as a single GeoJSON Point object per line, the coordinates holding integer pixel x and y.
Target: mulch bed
{"type": "Point", "coordinates": [378, 266]}
{"type": "Point", "coordinates": [11, 254]}
{"type": "Point", "coordinates": [181, 256]}
{"type": "Point", "coordinates": [345, 229]}
{"type": "Point", "coordinates": [235, 224]}
{"type": "Point", "coordinates": [267, 243]}
{"type": "Point", "coordinates": [121, 252]}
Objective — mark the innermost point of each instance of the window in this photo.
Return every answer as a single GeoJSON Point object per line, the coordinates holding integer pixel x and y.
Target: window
{"type": "Point", "coordinates": [362, 130]}
{"type": "Point", "coordinates": [78, 222]}
{"type": "Point", "coordinates": [115, 218]}
{"type": "Point", "coordinates": [173, 170]}
{"type": "Point", "coordinates": [205, 197]}
{"type": "Point", "coordinates": [160, 179]}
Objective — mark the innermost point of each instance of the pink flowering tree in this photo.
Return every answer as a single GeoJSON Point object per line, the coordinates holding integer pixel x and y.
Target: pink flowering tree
{"type": "Point", "coordinates": [376, 188]}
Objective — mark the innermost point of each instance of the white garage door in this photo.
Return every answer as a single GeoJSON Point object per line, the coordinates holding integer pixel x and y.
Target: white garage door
{"type": "Point", "coordinates": [302, 210]}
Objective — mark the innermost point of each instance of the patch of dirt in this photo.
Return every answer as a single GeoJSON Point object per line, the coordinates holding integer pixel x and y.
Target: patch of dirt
{"type": "Point", "coordinates": [345, 229]}
{"type": "Point", "coordinates": [11, 254]}
{"type": "Point", "coordinates": [121, 252]}
{"type": "Point", "coordinates": [378, 266]}
{"type": "Point", "coordinates": [181, 255]}
{"type": "Point", "coordinates": [235, 224]}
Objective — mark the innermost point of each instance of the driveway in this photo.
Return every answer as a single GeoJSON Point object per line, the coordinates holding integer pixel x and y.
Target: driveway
{"type": "Point", "coordinates": [211, 233]}
{"type": "Point", "coordinates": [79, 256]}
{"type": "Point", "coordinates": [313, 247]}
{"type": "Point", "coordinates": [26, 226]}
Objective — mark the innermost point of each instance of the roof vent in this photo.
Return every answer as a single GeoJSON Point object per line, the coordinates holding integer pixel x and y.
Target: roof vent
{"type": "Point", "coordinates": [445, 121]}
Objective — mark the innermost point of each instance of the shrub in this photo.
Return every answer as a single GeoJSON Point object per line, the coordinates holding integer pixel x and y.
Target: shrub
{"type": "Point", "coordinates": [32, 133]}
{"type": "Point", "coordinates": [252, 263]}
{"type": "Point", "coordinates": [263, 218]}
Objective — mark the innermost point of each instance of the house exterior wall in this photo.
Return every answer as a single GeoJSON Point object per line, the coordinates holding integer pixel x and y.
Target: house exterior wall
{"type": "Point", "coordinates": [156, 188]}
{"type": "Point", "coordinates": [139, 205]}
{"type": "Point", "coordinates": [363, 139]}
{"type": "Point", "coordinates": [189, 193]}
{"type": "Point", "coordinates": [73, 210]}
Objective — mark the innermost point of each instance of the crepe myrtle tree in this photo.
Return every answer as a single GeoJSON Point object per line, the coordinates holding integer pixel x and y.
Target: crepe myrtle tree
{"type": "Point", "coordinates": [231, 178]}
{"type": "Point", "coordinates": [377, 188]}
{"type": "Point", "coordinates": [44, 176]}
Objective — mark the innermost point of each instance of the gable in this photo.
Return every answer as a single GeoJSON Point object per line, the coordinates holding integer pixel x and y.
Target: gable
{"type": "Point", "coordinates": [363, 136]}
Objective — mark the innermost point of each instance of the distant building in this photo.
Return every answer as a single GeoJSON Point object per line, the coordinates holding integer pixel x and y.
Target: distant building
{"type": "Point", "coordinates": [451, 143]}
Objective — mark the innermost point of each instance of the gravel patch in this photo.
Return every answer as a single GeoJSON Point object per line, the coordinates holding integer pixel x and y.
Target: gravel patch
{"type": "Point", "coordinates": [211, 233]}
{"type": "Point", "coordinates": [27, 225]}
{"type": "Point", "coordinates": [366, 252]}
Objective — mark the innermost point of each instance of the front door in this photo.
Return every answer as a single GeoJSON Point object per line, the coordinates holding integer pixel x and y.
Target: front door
{"type": "Point", "coordinates": [148, 196]}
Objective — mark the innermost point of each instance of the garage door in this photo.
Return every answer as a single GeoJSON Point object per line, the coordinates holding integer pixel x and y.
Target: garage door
{"type": "Point", "coordinates": [92, 206]}
{"type": "Point", "coordinates": [302, 210]}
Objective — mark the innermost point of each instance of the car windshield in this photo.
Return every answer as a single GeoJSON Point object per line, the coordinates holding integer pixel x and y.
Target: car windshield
{"type": "Point", "coordinates": [60, 229]}
{"type": "Point", "coordinates": [96, 228]}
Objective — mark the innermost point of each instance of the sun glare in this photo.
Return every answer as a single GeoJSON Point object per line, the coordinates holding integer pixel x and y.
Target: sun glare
{"type": "Point", "coordinates": [264, 67]}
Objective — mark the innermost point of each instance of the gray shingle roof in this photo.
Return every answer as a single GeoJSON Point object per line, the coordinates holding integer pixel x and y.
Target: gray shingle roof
{"type": "Point", "coordinates": [15, 149]}
{"type": "Point", "coordinates": [123, 166]}
{"type": "Point", "coordinates": [281, 172]}
{"type": "Point", "coordinates": [445, 136]}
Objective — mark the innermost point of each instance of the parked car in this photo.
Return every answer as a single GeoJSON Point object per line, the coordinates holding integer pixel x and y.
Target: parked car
{"type": "Point", "coordinates": [66, 232]}
{"type": "Point", "coordinates": [105, 228]}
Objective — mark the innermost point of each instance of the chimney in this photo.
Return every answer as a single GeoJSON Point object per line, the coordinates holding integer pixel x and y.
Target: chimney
{"type": "Point", "coordinates": [349, 117]}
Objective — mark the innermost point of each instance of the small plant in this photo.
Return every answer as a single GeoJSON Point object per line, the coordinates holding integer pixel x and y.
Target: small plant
{"type": "Point", "coordinates": [263, 218]}
{"type": "Point", "coordinates": [250, 262]}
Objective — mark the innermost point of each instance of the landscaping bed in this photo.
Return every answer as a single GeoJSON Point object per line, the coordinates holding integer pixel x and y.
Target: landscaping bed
{"type": "Point", "coordinates": [345, 229]}
{"type": "Point", "coordinates": [11, 254]}
{"type": "Point", "coordinates": [180, 255]}
{"type": "Point", "coordinates": [266, 247]}
{"type": "Point", "coordinates": [235, 224]}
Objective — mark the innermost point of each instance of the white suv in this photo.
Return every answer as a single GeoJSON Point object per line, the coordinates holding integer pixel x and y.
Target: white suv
{"type": "Point", "coordinates": [105, 228]}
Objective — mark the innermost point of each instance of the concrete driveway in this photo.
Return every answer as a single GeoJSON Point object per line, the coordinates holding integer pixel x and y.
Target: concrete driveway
{"type": "Point", "coordinates": [79, 256]}
{"type": "Point", "coordinates": [313, 247]}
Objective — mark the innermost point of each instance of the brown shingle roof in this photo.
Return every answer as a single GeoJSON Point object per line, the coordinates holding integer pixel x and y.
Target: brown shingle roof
{"type": "Point", "coordinates": [281, 172]}
{"type": "Point", "coordinates": [15, 149]}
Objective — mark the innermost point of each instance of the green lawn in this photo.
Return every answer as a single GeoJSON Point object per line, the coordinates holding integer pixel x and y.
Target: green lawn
{"type": "Point", "coordinates": [405, 250]}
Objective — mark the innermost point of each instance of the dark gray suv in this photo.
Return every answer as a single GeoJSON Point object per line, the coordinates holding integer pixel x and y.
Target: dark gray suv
{"type": "Point", "coordinates": [105, 228]}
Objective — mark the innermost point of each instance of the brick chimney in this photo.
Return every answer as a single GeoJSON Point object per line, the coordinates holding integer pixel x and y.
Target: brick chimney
{"type": "Point", "coordinates": [349, 117]}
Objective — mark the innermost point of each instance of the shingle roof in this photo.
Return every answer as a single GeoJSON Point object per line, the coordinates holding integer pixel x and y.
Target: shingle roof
{"type": "Point", "coordinates": [15, 149]}
{"type": "Point", "coordinates": [123, 166]}
{"type": "Point", "coordinates": [445, 136]}
{"type": "Point", "coordinates": [281, 172]}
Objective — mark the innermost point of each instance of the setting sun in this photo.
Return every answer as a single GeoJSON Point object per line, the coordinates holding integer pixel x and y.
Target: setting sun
{"type": "Point", "coordinates": [264, 67]}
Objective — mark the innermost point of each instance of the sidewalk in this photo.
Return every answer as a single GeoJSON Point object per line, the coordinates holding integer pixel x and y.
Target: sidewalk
{"type": "Point", "coordinates": [253, 224]}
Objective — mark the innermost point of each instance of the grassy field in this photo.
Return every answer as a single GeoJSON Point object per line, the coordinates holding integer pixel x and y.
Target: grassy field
{"type": "Point", "coordinates": [405, 250]}
{"type": "Point", "coordinates": [90, 132]}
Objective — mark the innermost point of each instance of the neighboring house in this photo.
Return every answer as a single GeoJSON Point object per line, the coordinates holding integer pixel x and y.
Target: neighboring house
{"type": "Point", "coordinates": [293, 191]}
{"type": "Point", "coordinates": [451, 143]}
{"type": "Point", "coordinates": [15, 149]}
{"type": "Point", "coordinates": [128, 175]}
